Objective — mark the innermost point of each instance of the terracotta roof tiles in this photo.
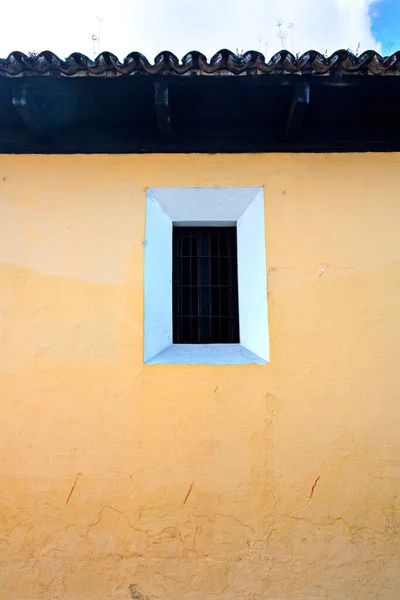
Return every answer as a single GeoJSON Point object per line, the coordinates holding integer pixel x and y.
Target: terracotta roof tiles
{"type": "Point", "coordinates": [224, 62]}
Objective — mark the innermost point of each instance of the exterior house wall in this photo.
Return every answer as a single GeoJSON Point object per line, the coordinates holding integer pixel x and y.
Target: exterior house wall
{"type": "Point", "coordinates": [124, 480]}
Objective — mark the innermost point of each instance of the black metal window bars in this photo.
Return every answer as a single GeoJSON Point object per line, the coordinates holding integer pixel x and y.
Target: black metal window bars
{"type": "Point", "coordinates": [205, 285]}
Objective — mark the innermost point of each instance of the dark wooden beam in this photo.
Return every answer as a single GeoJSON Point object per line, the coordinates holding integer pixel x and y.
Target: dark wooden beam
{"type": "Point", "coordinates": [208, 114]}
{"type": "Point", "coordinates": [161, 97]}
{"type": "Point", "coordinates": [29, 113]}
{"type": "Point", "coordinates": [297, 111]}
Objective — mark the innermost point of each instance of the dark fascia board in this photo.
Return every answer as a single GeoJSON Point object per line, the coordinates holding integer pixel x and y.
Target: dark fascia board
{"type": "Point", "coordinates": [170, 114]}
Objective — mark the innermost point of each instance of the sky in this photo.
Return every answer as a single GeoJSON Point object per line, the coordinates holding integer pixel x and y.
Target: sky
{"type": "Point", "coordinates": [385, 18]}
{"type": "Point", "coordinates": [150, 26]}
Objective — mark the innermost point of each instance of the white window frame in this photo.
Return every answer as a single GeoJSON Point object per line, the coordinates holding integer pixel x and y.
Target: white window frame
{"type": "Point", "coordinates": [196, 206]}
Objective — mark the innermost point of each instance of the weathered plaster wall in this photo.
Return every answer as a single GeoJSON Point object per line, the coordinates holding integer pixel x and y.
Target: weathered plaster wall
{"type": "Point", "coordinates": [293, 468]}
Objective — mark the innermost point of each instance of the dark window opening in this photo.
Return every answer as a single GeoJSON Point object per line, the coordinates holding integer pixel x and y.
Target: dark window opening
{"type": "Point", "coordinates": [205, 285]}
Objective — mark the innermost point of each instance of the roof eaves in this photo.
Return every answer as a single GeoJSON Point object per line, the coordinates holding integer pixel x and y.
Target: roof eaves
{"type": "Point", "coordinates": [224, 62]}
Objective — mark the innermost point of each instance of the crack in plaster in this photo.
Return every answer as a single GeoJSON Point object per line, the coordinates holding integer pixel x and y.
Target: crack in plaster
{"type": "Point", "coordinates": [225, 516]}
{"type": "Point", "coordinates": [317, 270]}
{"type": "Point", "coordinates": [187, 541]}
{"type": "Point", "coordinates": [125, 516]}
{"type": "Point", "coordinates": [353, 529]}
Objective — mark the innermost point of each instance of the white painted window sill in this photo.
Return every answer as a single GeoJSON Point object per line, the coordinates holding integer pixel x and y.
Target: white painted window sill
{"type": "Point", "coordinates": [206, 354]}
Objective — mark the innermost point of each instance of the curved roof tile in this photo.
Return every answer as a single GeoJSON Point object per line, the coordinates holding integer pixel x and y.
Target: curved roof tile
{"type": "Point", "coordinates": [224, 62]}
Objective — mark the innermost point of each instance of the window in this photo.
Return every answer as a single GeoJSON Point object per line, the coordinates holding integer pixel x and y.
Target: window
{"type": "Point", "coordinates": [205, 283]}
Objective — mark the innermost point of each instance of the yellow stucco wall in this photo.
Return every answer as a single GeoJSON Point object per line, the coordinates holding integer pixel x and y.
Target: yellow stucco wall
{"type": "Point", "coordinates": [81, 413]}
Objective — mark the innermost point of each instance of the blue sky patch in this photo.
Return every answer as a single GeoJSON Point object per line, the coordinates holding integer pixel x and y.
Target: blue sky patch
{"type": "Point", "coordinates": [385, 19]}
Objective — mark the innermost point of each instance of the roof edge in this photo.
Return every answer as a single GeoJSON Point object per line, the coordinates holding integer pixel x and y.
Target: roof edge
{"type": "Point", "coordinates": [224, 62]}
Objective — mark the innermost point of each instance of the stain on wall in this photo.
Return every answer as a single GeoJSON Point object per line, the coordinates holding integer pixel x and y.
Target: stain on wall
{"type": "Point", "coordinates": [121, 480]}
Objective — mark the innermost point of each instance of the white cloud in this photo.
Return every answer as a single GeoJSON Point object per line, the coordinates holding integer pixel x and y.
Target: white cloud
{"type": "Point", "coordinates": [208, 25]}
